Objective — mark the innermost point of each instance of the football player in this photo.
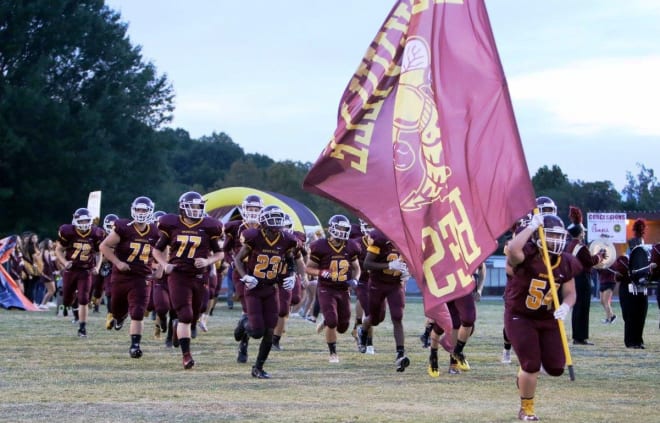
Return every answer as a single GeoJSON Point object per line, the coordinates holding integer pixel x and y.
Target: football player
{"type": "Point", "coordinates": [335, 261]}
{"type": "Point", "coordinates": [529, 314]}
{"type": "Point", "coordinates": [249, 210]}
{"type": "Point", "coordinates": [192, 239]}
{"type": "Point", "coordinates": [387, 272]}
{"type": "Point", "coordinates": [258, 264]}
{"type": "Point", "coordinates": [128, 247]}
{"type": "Point", "coordinates": [77, 251]}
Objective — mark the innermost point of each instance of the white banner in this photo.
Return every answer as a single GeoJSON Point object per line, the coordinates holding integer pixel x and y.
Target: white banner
{"type": "Point", "coordinates": [94, 205]}
{"type": "Point", "coordinates": [611, 226]}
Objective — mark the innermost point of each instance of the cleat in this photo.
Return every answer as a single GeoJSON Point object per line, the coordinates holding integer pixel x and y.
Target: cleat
{"type": "Point", "coordinates": [613, 319]}
{"type": "Point", "coordinates": [276, 346]}
{"type": "Point", "coordinates": [175, 336]}
{"type": "Point", "coordinates": [506, 356]}
{"type": "Point", "coordinates": [320, 326]}
{"type": "Point", "coordinates": [239, 331]}
{"type": "Point", "coordinates": [188, 361]}
{"type": "Point", "coordinates": [370, 350]}
{"type": "Point", "coordinates": [82, 332]}
{"type": "Point", "coordinates": [362, 340]}
{"type": "Point", "coordinates": [242, 352]}
{"type": "Point", "coordinates": [522, 415]}
{"type": "Point", "coordinates": [135, 351]}
{"type": "Point", "coordinates": [433, 369]}
{"type": "Point", "coordinates": [333, 358]}
{"type": "Point", "coordinates": [461, 362]}
{"type": "Point", "coordinates": [453, 370]}
{"type": "Point", "coordinates": [193, 331]}
{"type": "Point", "coordinates": [109, 321]}
{"type": "Point", "coordinates": [401, 363]}
{"type": "Point", "coordinates": [259, 373]}
{"type": "Point", "coordinates": [119, 323]}
{"type": "Point", "coordinates": [426, 340]}
{"type": "Point", "coordinates": [202, 326]}
{"type": "Point", "coordinates": [168, 343]}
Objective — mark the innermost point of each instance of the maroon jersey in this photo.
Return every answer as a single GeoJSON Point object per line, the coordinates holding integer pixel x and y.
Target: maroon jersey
{"type": "Point", "coordinates": [80, 247]}
{"type": "Point", "coordinates": [233, 242]}
{"type": "Point", "coordinates": [134, 247]}
{"type": "Point", "coordinates": [527, 293]}
{"type": "Point", "coordinates": [188, 242]}
{"type": "Point", "coordinates": [299, 251]}
{"type": "Point", "coordinates": [385, 251]}
{"type": "Point", "coordinates": [267, 256]}
{"type": "Point", "coordinates": [337, 260]}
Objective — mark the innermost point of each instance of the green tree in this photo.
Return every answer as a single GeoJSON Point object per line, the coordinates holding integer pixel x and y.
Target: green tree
{"type": "Point", "coordinates": [77, 111]}
{"type": "Point", "coordinates": [643, 192]}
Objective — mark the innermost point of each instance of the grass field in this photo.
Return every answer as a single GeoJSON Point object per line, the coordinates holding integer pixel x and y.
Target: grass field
{"type": "Point", "coordinates": [48, 374]}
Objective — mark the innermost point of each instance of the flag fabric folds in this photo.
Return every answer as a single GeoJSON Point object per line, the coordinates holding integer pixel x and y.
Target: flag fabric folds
{"type": "Point", "coordinates": [426, 146]}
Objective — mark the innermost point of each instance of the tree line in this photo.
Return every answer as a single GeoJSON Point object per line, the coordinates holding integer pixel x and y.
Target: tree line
{"type": "Point", "coordinates": [81, 110]}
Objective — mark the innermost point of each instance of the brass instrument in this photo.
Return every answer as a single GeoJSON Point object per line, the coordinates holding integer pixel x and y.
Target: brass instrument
{"type": "Point", "coordinates": [610, 252]}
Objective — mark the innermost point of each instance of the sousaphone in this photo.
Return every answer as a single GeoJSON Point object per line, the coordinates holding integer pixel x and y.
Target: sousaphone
{"type": "Point", "coordinates": [610, 252]}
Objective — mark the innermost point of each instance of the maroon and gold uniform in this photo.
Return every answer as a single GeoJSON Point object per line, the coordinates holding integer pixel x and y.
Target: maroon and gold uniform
{"type": "Point", "coordinates": [333, 289]}
{"type": "Point", "coordinates": [130, 289]}
{"type": "Point", "coordinates": [81, 249]}
{"type": "Point", "coordinates": [529, 310]}
{"type": "Point", "coordinates": [232, 245]}
{"type": "Point", "coordinates": [187, 242]}
{"type": "Point", "coordinates": [384, 283]}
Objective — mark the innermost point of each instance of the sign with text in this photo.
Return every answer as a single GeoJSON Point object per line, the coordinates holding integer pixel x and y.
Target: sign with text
{"type": "Point", "coordinates": [610, 226]}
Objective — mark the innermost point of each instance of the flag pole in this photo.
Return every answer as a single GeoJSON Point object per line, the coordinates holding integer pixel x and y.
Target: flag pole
{"type": "Point", "coordinates": [555, 300]}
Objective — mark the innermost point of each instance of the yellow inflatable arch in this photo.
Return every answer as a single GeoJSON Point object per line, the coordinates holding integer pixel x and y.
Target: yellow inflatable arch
{"type": "Point", "coordinates": [223, 204]}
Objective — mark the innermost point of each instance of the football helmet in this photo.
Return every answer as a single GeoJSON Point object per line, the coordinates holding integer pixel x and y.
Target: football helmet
{"type": "Point", "coordinates": [191, 205]}
{"type": "Point", "coordinates": [251, 207]}
{"type": "Point", "coordinates": [288, 223]}
{"type": "Point", "coordinates": [157, 215]}
{"type": "Point", "coordinates": [555, 234]}
{"type": "Point", "coordinates": [109, 222]}
{"type": "Point", "coordinates": [82, 219]}
{"type": "Point", "coordinates": [272, 217]}
{"type": "Point", "coordinates": [339, 227]}
{"type": "Point", "coordinates": [142, 210]}
{"type": "Point", "coordinates": [365, 227]}
{"type": "Point", "coordinates": [546, 205]}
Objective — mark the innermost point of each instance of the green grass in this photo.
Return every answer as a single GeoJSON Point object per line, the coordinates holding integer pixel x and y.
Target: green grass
{"type": "Point", "coordinates": [48, 374]}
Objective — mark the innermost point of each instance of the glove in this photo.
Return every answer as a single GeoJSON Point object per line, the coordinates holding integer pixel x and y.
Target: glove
{"type": "Point", "coordinates": [352, 283]}
{"type": "Point", "coordinates": [536, 221]}
{"type": "Point", "coordinates": [249, 281]}
{"type": "Point", "coordinates": [397, 265]}
{"type": "Point", "coordinates": [562, 311]}
{"type": "Point", "coordinates": [289, 282]}
{"type": "Point", "coordinates": [325, 274]}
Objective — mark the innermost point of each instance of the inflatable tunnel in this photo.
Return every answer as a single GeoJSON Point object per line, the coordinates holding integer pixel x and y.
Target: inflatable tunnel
{"type": "Point", "coordinates": [224, 204]}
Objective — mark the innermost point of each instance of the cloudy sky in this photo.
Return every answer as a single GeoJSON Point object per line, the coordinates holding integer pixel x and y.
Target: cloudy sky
{"type": "Point", "coordinates": [583, 75]}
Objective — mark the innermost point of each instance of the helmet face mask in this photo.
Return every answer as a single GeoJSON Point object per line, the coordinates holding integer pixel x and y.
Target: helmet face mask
{"type": "Point", "coordinates": [339, 227]}
{"type": "Point", "coordinates": [82, 219]}
{"type": "Point", "coordinates": [365, 227]}
{"type": "Point", "coordinates": [191, 205]}
{"type": "Point", "coordinates": [546, 205]}
{"type": "Point", "coordinates": [555, 235]}
{"type": "Point", "coordinates": [142, 210]}
{"type": "Point", "coordinates": [109, 222]}
{"type": "Point", "coordinates": [272, 218]}
{"type": "Point", "coordinates": [251, 208]}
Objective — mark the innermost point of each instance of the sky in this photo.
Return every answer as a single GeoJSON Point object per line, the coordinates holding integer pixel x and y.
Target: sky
{"type": "Point", "coordinates": [583, 75]}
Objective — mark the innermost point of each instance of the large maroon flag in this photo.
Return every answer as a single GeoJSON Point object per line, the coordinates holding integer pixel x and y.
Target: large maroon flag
{"type": "Point", "coordinates": [426, 146]}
